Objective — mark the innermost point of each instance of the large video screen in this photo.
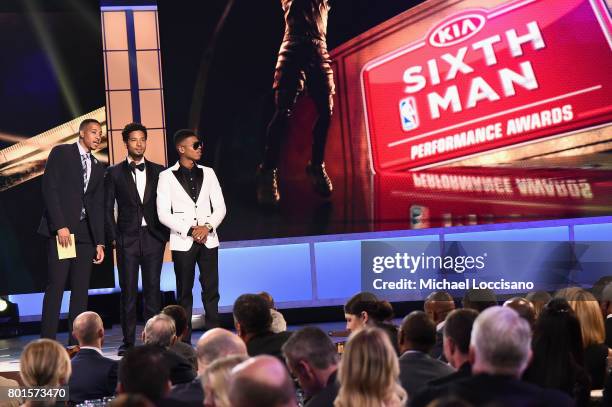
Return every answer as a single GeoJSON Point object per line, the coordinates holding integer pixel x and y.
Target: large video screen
{"type": "Point", "coordinates": [51, 77]}
{"type": "Point", "coordinates": [468, 113]}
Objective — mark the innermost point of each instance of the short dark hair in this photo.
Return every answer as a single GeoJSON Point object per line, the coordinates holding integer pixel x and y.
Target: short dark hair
{"type": "Point", "coordinates": [178, 314]}
{"type": "Point", "coordinates": [144, 370]}
{"type": "Point", "coordinates": [313, 345]}
{"type": "Point", "coordinates": [479, 299]}
{"type": "Point", "coordinates": [252, 313]}
{"type": "Point", "coordinates": [419, 330]}
{"type": "Point", "coordinates": [458, 327]}
{"type": "Point", "coordinates": [266, 296]}
{"type": "Point", "coordinates": [130, 127]}
{"type": "Point", "coordinates": [182, 134]}
{"type": "Point", "coordinates": [85, 122]}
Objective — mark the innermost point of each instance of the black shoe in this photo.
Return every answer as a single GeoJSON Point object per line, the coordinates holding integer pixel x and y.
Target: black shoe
{"type": "Point", "coordinates": [124, 348]}
{"type": "Point", "coordinates": [267, 186]}
{"type": "Point", "coordinates": [320, 180]}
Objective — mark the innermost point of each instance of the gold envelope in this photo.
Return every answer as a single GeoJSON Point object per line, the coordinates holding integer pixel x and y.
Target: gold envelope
{"type": "Point", "coordinates": [66, 252]}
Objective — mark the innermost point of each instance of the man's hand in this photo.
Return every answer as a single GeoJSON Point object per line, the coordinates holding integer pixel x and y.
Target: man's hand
{"type": "Point", "coordinates": [99, 255]}
{"type": "Point", "coordinates": [199, 234]}
{"type": "Point", "coordinates": [64, 238]}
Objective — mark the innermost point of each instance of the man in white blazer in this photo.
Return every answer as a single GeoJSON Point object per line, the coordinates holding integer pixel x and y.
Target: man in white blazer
{"type": "Point", "coordinates": [190, 203]}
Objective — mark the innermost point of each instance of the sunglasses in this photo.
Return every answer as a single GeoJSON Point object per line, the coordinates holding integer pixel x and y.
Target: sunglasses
{"type": "Point", "coordinates": [196, 145]}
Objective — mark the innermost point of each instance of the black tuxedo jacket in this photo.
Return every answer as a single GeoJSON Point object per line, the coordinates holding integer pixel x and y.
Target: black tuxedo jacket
{"type": "Point", "coordinates": [268, 343]}
{"type": "Point", "coordinates": [190, 393]}
{"type": "Point", "coordinates": [93, 376]}
{"type": "Point", "coordinates": [500, 391]}
{"type": "Point", "coordinates": [119, 185]}
{"type": "Point", "coordinates": [63, 196]}
{"type": "Point", "coordinates": [327, 395]}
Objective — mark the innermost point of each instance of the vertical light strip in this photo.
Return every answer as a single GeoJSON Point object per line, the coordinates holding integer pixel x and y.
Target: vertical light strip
{"type": "Point", "coordinates": [133, 64]}
{"type": "Point", "coordinates": [138, 102]}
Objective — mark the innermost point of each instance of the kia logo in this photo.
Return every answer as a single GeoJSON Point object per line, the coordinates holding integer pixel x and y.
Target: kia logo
{"type": "Point", "coordinates": [456, 30]}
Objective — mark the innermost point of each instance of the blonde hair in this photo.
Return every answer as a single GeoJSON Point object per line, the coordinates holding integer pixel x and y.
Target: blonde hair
{"type": "Point", "coordinates": [216, 376]}
{"type": "Point", "coordinates": [369, 372]}
{"type": "Point", "coordinates": [44, 362]}
{"type": "Point", "coordinates": [589, 314]}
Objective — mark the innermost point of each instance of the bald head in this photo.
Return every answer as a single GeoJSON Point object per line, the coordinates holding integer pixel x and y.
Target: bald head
{"type": "Point", "coordinates": [262, 381]}
{"type": "Point", "coordinates": [160, 331]}
{"type": "Point", "coordinates": [217, 343]}
{"type": "Point", "coordinates": [88, 329]}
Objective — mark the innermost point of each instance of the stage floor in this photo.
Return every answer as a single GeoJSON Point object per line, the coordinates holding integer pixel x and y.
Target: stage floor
{"type": "Point", "coordinates": [11, 348]}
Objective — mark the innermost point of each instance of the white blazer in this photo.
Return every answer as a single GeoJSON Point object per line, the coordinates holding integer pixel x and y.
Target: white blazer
{"type": "Point", "coordinates": [179, 213]}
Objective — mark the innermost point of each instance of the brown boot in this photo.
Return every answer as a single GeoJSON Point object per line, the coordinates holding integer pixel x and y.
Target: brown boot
{"type": "Point", "coordinates": [320, 180]}
{"type": "Point", "coordinates": [267, 186]}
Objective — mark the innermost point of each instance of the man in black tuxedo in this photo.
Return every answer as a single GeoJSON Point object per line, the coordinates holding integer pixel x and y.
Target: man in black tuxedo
{"type": "Point", "coordinates": [416, 337]}
{"type": "Point", "coordinates": [93, 375]}
{"type": "Point", "coordinates": [500, 350]}
{"type": "Point", "coordinates": [73, 196]}
{"type": "Point", "coordinates": [253, 323]}
{"type": "Point", "coordinates": [160, 331]}
{"type": "Point", "coordinates": [137, 234]}
{"type": "Point", "coordinates": [312, 359]}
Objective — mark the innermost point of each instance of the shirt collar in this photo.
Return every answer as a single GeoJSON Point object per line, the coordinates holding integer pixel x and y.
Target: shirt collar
{"type": "Point", "coordinates": [412, 351]}
{"type": "Point", "coordinates": [187, 170]}
{"type": "Point", "coordinates": [82, 149]}
{"type": "Point", "coordinates": [129, 160]}
{"type": "Point", "coordinates": [92, 348]}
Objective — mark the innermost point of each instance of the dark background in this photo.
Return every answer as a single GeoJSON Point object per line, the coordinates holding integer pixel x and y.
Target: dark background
{"type": "Point", "coordinates": [32, 102]}
{"type": "Point", "coordinates": [237, 102]}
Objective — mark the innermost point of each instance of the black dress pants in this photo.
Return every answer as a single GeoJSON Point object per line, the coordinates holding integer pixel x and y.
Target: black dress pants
{"type": "Point", "coordinates": [184, 268]}
{"type": "Point", "coordinates": [142, 251]}
{"type": "Point", "coordinates": [79, 269]}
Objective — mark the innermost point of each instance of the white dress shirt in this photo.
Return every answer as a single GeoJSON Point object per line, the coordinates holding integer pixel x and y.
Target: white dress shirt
{"type": "Point", "coordinates": [88, 160]}
{"type": "Point", "coordinates": [140, 177]}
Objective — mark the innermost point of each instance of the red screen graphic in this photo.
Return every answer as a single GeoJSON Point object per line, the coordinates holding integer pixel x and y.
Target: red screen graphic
{"type": "Point", "coordinates": [486, 79]}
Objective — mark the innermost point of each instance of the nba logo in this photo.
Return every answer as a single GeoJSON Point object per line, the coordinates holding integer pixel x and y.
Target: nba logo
{"type": "Point", "coordinates": [408, 114]}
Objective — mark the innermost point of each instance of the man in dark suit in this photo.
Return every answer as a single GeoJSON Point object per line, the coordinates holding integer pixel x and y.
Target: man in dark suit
{"type": "Point", "coordinates": [500, 350]}
{"type": "Point", "coordinates": [137, 234]}
{"type": "Point", "coordinates": [160, 331]}
{"type": "Point", "coordinates": [456, 344]}
{"type": "Point", "coordinates": [93, 375]}
{"type": "Point", "coordinates": [312, 358]}
{"type": "Point", "coordinates": [417, 335]}
{"type": "Point", "coordinates": [253, 322]}
{"type": "Point", "coordinates": [73, 196]}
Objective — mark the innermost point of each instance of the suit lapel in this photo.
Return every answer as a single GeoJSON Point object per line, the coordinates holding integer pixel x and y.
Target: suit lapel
{"type": "Point", "coordinates": [96, 172]}
{"type": "Point", "coordinates": [149, 184]}
{"type": "Point", "coordinates": [129, 181]}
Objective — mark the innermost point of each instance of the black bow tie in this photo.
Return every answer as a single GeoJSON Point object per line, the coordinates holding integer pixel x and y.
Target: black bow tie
{"type": "Point", "coordinates": [135, 166]}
